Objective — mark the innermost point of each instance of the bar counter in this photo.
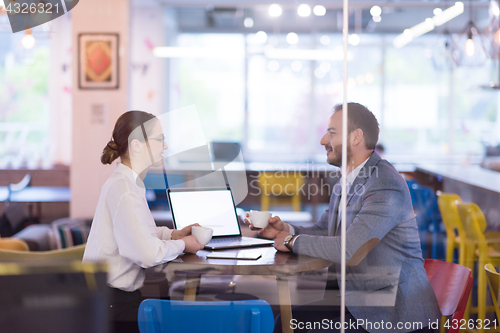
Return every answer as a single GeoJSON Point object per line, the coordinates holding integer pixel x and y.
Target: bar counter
{"type": "Point", "coordinates": [471, 182]}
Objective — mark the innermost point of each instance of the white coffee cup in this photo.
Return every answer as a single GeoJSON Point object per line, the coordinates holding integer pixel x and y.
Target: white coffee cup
{"type": "Point", "coordinates": [259, 219]}
{"type": "Point", "coordinates": [202, 234]}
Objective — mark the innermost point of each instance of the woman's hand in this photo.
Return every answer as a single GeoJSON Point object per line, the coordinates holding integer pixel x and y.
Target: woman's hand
{"type": "Point", "coordinates": [184, 232]}
{"type": "Point", "coordinates": [272, 230]}
{"type": "Point", "coordinates": [192, 245]}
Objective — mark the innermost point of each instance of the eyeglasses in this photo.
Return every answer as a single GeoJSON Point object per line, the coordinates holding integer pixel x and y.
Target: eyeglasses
{"type": "Point", "coordinates": [160, 139]}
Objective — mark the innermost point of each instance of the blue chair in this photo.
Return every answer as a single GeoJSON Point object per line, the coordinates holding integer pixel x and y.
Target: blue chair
{"type": "Point", "coordinates": [156, 315]}
{"type": "Point", "coordinates": [429, 219]}
{"type": "Point", "coordinates": [423, 228]}
{"type": "Point", "coordinates": [433, 220]}
{"type": "Point", "coordinates": [411, 184]}
{"type": "Point", "coordinates": [158, 183]}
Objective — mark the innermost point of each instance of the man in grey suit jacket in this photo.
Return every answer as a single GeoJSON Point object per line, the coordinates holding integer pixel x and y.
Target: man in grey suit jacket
{"type": "Point", "coordinates": [387, 289]}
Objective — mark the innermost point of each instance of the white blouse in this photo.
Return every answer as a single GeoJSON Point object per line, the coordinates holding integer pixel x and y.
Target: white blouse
{"type": "Point", "coordinates": [124, 234]}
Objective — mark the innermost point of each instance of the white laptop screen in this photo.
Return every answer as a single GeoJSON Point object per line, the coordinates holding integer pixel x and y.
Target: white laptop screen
{"type": "Point", "coordinates": [212, 209]}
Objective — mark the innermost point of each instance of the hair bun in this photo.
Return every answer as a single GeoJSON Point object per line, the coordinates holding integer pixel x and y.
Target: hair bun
{"type": "Point", "coordinates": [124, 130]}
{"type": "Point", "coordinates": [112, 145]}
{"type": "Point", "coordinates": [110, 152]}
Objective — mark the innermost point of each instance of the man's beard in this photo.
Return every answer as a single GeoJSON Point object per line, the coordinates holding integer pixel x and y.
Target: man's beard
{"type": "Point", "coordinates": [336, 160]}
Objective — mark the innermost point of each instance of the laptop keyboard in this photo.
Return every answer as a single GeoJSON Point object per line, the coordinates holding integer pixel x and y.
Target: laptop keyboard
{"type": "Point", "coordinates": [225, 240]}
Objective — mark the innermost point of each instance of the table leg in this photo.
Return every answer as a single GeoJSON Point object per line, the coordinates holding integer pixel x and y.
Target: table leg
{"type": "Point", "coordinates": [39, 207]}
{"type": "Point", "coordinates": [285, 304]}
{"type": "Point", "coordinates": [190, 288]}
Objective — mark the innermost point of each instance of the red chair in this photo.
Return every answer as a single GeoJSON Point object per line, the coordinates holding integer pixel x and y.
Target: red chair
{"type": "Point", "coordinates": [452, 285]}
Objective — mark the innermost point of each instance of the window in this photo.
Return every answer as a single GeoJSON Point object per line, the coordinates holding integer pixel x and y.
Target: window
{"type": "Point", "coordinates": [213, 83]}
{"type": "Point", "coordinates": [24, 101]}
{"type": "Point", "coordinates": [266, 94]}
{"type": "Point", "coordinates": [279, 101]}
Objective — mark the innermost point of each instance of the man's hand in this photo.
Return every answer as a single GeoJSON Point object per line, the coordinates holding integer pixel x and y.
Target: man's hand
{"type": "Point", "coordinates": [272, 230]}
{"type": "Point", "coordinates": [279, 241]}
{"type": "Point", "coordinates": [192, 245]}
{"type": "Point", "coordinates": [184, 232]}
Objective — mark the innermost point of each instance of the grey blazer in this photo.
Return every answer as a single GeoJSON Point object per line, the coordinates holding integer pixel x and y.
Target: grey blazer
{"type": "Point", "coordinates": [390, 284]}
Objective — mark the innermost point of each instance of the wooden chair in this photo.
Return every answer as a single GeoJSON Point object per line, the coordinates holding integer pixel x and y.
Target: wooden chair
{"type": "Point", "coordinates": [280, 188]}
{"type": "Point", "coordinates": [452, 285]}
{"type": "Point", "coordinates": [474, 225]}
{"type": "Point", "coordinates": [494, 284]}
{"type": "Point", "coordinates": [156, 315]}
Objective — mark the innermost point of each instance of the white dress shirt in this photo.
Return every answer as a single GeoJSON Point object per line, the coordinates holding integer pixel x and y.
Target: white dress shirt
{"type": "Point", "coordinates": [349, 180]}
{"type": "Point", "coordinates": [351, 177]}
{"type": "Point", "coordinates": [124, 234]}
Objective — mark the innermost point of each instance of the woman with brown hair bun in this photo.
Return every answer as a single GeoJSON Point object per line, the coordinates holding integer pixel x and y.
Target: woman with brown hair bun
{"type": "Point", "coordinates": [123, 231]}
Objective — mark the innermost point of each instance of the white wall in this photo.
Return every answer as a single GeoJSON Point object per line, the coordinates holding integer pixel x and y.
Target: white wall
{"type": "Point", "coordinates": [60, 90]}
{"type": "Point", "coordinates": [87, 172]}
{"type": "Point", "coordinates": [147, 72]}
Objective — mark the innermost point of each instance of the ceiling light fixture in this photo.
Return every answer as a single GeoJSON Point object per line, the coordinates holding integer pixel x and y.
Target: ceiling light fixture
{"type": "Point", "coordinates": [304, 10]}
{"type": "Point", "coordinates": [465, 50]}
{"type": "Point", "coordinates": [491, 40]}
{"type": "Point", "coordinates": [196, 52]}
{"type": "Point", "coordinates": [319, 10]}
{"type": "Point", "coordinates": [248, 22]}
{"type": "Point", "coordinates": [376, 11]}
{"type": "Point", "coordinates": [428, 25]}
{"type": "Point", "coordinates": [28, 40]}
{"type": "Point", "coordinates": [470, 30]}
{"type": "Point", "coordinates": [494, 8]}
{"type": "Point", "coordinates": [308, 54]}
{"type": "Point", "coordinates": [448, 14]}
{"type": "Point", "coordinates": [470, 48]}
{"type": "Point", "coordinates": [275, 10]}
{"type": "Point", "coordinates": [491, 37]}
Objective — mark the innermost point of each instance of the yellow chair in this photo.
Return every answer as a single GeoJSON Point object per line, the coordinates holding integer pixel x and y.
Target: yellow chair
{"type": "Point", "coordinates": [456, 237]}
{"type": "Point", "coordinates": [280, 188]}
{"type": "Point", "coordinates": [13, 244]}
{"type": "Point", "coordinates": [455, 232]}
{"type": "Point", "coordinates": [474, 225]}
{"type": "Point", "coordinates": [494, 283]}
{"type": "Point", "coordinates": [74, 253]}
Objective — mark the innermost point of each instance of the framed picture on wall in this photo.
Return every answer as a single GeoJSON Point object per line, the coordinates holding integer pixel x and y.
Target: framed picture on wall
{"type": "Point", "coordinates": [98, 61]}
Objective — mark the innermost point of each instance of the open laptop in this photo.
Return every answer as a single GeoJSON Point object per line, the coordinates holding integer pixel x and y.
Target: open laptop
{"type": "Point", "coordinates": [212, 208]}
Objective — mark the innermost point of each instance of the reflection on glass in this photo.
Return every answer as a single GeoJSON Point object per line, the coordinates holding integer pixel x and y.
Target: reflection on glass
{"type": "Point", "coordinates": [290, 88]}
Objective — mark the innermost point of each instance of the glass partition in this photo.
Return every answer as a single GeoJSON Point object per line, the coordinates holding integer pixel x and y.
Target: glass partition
{"type": "Point", "coordinates": [272, 95]}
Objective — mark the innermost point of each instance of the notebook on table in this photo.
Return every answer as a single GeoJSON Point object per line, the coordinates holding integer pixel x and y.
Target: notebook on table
{"type": "Point", "coordinates": [211, 208]}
